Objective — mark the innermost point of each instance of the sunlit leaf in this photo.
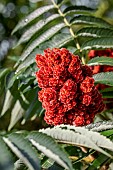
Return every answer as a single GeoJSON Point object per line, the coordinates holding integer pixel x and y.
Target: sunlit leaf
{"type": "Point", "coordinates": [95, 32]}
{"type": "Point", "coordinates": [23, 150]}
{"type": "Point", "coordinates": [77, 10]}
{"type": "Point", "coordinates": [16, 114]}
{"type": "Point", "coordinates": [90, 20]}
{"type": "Point", "coordinates": [35, 28]}
{"type": "Point", "coordinates": [104, 78]}
{"type": "Point", "coordinates": [8, 103]}
{"type": "Point", "coordinates": [32, 16]}
{"type": "Point", "coordinates": [73, 137]}
{"type": "Point", "coordinates": [98, 162]}
{"type": "Point", "coordinates": [100, 126]}
{"type": "Point", "coordinates": [6, 158]}
{"type": "Point", "coordinates": [101, 61]}
{"type": "Point", "coordinates": [98, 43]}
{"type": "Point", "coordinates": [57, 41]}
{"type": "Point", "coordinates": [43, 37]}
{"type": "Point", "coordinates": [50, 149]}
{"type": "Point", "coordinates": [97, 138]}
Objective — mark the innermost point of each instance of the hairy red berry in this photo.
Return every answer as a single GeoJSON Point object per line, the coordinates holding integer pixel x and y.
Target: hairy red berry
{"type": "Point", "coordinates": [68, 93]}
{"type": "Point", "coordinates": [87, 84]}
{"type": "Point", "coordinates": [87, 99]}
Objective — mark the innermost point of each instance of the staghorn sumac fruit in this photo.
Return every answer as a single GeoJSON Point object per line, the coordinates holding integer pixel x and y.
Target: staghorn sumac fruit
{"type": "Point", "coordinates": [68, 93]}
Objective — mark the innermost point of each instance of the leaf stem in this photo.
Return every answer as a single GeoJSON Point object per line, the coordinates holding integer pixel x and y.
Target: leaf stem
{"type": "Point", "coordinates": [68, 25]}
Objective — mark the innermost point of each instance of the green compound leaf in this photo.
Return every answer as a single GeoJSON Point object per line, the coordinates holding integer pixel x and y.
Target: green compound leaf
{"type": "Point", "coordinates": [58, 40]}
{"type": "Point", "coordinates": [75, 137]}
{"type": "Point", "coordinates": [16, 114]}
{"type": "Point", "coordinates": [23, 150]}
{"type": "Point", "coordinates": [49, 147]}
{"type": "Point", "coordinates": [29, 60]}
{"type": "Point", "coordinates": [6, 158]}
{"type": "Point", "coordinates": [97, 138]}
{"type": "Point", "coordinates": [43, 37]}
{"type": "Point", "coordinates": [98, 43]}
{"type": "Point", "coordinates": [104, 78]}
{"type": "Point", "coordinates": [100, 126]}
{"type": "Point", "coordinates": [107, 132]}
{"type": "Point", "coordinates": [9, 102]}
{"type": "Point", "coordinates": [55, 167]}
{"type": "Point", "coordinates": [35, 28]}
{"type": "Point", "coordinates": [32, 16]}
{"type": "Point", "coordinates": [4, 72]}
{"type": "Point", "coordinates": [77, 10]}
{"type": "Point", "coordinates": [59, 2]}
{"type": "Point", "coordinates": [100, 61]}
{"type": "Point", "coordinates": [95, 32]}
{"type": "Point", "coordinates": [98, 162]}
{"type": "Point", "coordinates": [107, 94]}
{"type": "Point", "coordinates": [90, 20]}
{"type": "Point", "coordinates": [108, 89]}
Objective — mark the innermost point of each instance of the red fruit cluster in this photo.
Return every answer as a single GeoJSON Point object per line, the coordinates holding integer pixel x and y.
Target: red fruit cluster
{"type": "Point", "coordinates": [102, 68]}
{"type": "Point", "coordinates": [68, 93]}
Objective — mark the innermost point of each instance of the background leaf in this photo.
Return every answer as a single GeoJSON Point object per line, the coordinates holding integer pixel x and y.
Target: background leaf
{"type": "Point", "coordinates": [73, 137]}
{"type": "Point", "coordinates": [101, 61]}
{"type": "Point", "coordinates": [97, 138]}
{"type": "Point", "coordinates": [22, 148]}
{"type": "Point", "coordinates": [6, 158]}
{"type": "Point", "coordinates": [98, 162]}
{"type": "Point", "coordinates": [45, 36]}
{"type": "Point", "coordinates": [35, 28]}
{"type": "Point", "coordinates": [95, 32]}
{"type": "Point", "coordinates": [90, 20]}
{"type": "Point", "coordinates": [100, 126]}
{"type": "Point", "coordinates": [16, 114]}
{"type": "Point", "coordinates": [98, 43]}
{"type": "Point", "coordinates": [104, 78]}
{"type": "Point", "coordinates": [78, 10]}
{"type": "Point", "coordinates": [50, 149]}
{"type": "Point", "coordinates": [32, 16]}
